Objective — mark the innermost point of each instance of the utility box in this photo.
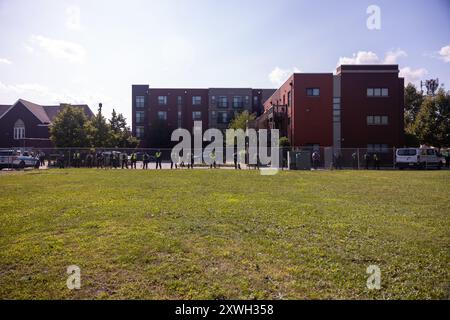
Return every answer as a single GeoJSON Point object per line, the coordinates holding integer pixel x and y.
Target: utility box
{"type": "Point", "coordinates": [299, 160]}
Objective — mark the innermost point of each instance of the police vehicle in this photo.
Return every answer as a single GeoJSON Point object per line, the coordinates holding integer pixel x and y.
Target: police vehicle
{"type": "Point", "coordinates": [420, 158]}
{"type": "Point", "coordinates": [17, 160]}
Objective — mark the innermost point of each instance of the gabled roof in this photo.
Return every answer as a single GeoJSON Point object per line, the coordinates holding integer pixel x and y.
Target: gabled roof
{"type": "Point", "coordinates": [37, 110]}
{"type": "Point", "coordinates": [45, 114]}
{"type": "Point", "coordinates": [4, 108]}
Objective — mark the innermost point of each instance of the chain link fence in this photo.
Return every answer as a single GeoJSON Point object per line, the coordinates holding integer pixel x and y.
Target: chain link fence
{"type": "Point", "coordinates": [298, 158]}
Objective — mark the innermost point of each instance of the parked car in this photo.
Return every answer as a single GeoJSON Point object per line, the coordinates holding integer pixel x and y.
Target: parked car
{"type": "Point", "coordinates": [15, 160]}
{"type": "Point", "coordinates": [420, 158]}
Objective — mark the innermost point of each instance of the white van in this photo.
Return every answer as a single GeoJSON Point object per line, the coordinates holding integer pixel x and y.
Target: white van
{"type": "Point", "coordinates": [421, 158]}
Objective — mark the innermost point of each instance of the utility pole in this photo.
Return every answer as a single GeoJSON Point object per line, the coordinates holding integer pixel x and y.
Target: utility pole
{"type": "Point", "coordinates": [431, 85]}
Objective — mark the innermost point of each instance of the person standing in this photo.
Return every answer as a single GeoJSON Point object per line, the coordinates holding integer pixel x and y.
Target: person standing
{"type": "Point", "coordinates": [124, 160]}
{"type": "Point", "coordinates": [315, 159]}
{"type": "Point", "coordinates": [355, 160]}
{"type": "Point", "coordinates": [212, 156]}
{"type": "Point", "coordinates": [158, 156]}
{"type": "Point", "coordinates": [376, 161]}
{"type": "Point", "coordinates": [100, 160]}
{"type": "Point", "coordinates": [366, 160]}
{"type": "Point", "coordinates": [133, 160]}
{"type": "Point", "coordinates": [146, 159]}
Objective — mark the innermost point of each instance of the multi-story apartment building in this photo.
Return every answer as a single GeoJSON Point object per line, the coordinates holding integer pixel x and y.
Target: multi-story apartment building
{"type": "Point", "coordinates": [157, 111]}
{"type": "Point", "coordinates": [360, 106]}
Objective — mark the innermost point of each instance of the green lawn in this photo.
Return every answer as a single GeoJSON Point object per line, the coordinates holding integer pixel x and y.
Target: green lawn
{"type": "Point", "coordinates": [224, 234]}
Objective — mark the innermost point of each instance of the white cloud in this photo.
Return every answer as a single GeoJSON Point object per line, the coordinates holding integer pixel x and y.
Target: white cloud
{"type": "Point", "coordinates": [412, 75]}
{"type": "Point", "coordinates": [28, 48]}
{"type": "Point", "coordinates": [391, 57]}
{"type": "Point", "coordinates": [444, 53]}
{"type": "Point", "coordinates": [4, 61]}
{"type": "Point", "coordinates": [362, 57]}
{"type": "Point", "coordinates": [278, 76]}
{"type": "Point", "coordinates": [60, 49]}
{"type": "Point", "coordinates": [38, 93]}
{"type": "Point", "coordinates": [73, 18]}
{"type": "Point", "coordinates": [369, 57]}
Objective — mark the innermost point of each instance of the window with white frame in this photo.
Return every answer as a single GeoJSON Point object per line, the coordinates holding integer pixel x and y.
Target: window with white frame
{"type": "Point", "coordinates": [139, 132]}
{"type": "Point", "coordinates": [377, 120]}
{"type": "Point", "coordinates": [237, 102]}
{"type": "Point", "coordinates": [313, 92]}
{"type": "Point", "coordinates": [162, 115]}
{"type": "Point", "coordinates": [377, 92]}
{"type": "Point", "coordinates": [19, 130]}
{"type": "Point", "coordinates": [196, 115]}
{"type": "Point", "coordinates": [139, 116]}
{"type": "Point", "coordinates": [222, 102]}
{"type": "Point", "coordinates": [222, 117]}
{"type": "Point", "coordinates": [196, 100]}
{"type": "Point", "coordinates": [140, 101]}
{"type": "Point", "coordinates": [162, 100]}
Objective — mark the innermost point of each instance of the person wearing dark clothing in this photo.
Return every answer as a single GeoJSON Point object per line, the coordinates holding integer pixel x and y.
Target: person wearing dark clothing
{"type": "Point", "coordinates": [146, 159]}
{"type": "Point", "coordinates": [315, 158]}
{"type": "Point", "coordinates": [100, 160]}
{"type": "Point", "coordinates": [354, 160]}
{"type": "Point", "coordinates": [133, 160]}
{"type": "Point", "coordinates": [124, 160]}
{"type": "Point", "coordinates": [376, 161]}
{"type": "Point", "coordinates": [158, 156]}
{"type": "Point", "coordinates": [366, 160]}
{"type": "Point", "coordinates": [89, 160]}
{"type": "Point", "coordinates": [61, 160]}
{"type": "Point", "coordinates": [41, 159]}
{"type": "Point", "coordinates": [235, 158]}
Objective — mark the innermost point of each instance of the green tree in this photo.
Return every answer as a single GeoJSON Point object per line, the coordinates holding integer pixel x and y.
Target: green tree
{"type": "Point", "coordinates": [413, 102]}
{"type": "Point", "coordinates": [432, 124]}
{"type": "Point", "coordinates": [240, 121]}
{"type": "Point", "coordinates": [69, 128]}
{"type": "Point", "coordinates": [99, 131]}
{"type": "Point", "coordinates": [121, 133]}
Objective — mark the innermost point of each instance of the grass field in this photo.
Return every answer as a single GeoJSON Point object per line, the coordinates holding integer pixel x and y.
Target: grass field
{"type": "Point", "coordinates": [223, 234]}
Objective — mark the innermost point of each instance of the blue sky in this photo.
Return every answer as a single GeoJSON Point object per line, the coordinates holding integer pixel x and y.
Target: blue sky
{"type": "Point", "coordinates": [92, 51]}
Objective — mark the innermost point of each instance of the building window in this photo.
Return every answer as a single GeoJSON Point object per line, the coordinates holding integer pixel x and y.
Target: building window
{"type": "Point", "coordinates": [222, 117]}
{"type": "Point", "coordinates": [139, 132]}
{"type": "Point", "coordinates": [247, 100]}
{"type": "Point", "coordinates": [196, 100]}
{"type": "Point", "coordinates": [377, 120]}
{"type": "Point", "coordinates": [162, 100]}
{"type": "Point", "coordinates": [197, 115]}
{"type": "Point", "coordinates": [313, 92]}
{"type": "Point", "coordinates": [237, 102]}
{"type": "Point", "coordinates": [179, 100]}
{"type": "Point", "coordinates": [222, 102]}
{"type": "Point", "coordinates": [140, 100]}
{"type": "Point", "coordinates": [289, 98]}
{"type": "Point", "coordinates": [255, 101]}
{"type": "Point", "coordinates": [139, 116]}
{"type": "Point", "coordinates": [377, 92]}
{"type": "Point", "coordinates": [162, 115]}
{"type": "Point", "coordinates": [19, 130]}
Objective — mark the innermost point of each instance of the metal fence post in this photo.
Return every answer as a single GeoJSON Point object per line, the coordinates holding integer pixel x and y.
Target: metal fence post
{"type": "Point", "coordinates": [393, 158]}
{"type": "Point", "coordinates": [357, 152]}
